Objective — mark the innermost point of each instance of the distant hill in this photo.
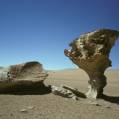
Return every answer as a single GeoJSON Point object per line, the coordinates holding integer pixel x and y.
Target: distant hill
{"type": "Point", "coordinates": [75, 69]}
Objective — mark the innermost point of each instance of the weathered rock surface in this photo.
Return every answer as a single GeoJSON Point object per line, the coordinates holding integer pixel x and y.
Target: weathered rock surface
{"type": "Point", "coordinates": [67, 92]}
{"type": "Point", "coordinates": [27, 76]}
{"type": "Point", "coordinates": [91, 53]}
{"type": "Point", "coordinates": [30, 70]}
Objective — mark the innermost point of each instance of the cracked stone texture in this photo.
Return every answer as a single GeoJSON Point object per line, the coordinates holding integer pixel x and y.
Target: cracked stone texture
{"type": "Point", "coordinates": [91, 52]}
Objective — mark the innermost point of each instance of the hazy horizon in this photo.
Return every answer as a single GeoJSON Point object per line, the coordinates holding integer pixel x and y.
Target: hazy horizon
{"type": "Point", "coordinates": [40, 30]}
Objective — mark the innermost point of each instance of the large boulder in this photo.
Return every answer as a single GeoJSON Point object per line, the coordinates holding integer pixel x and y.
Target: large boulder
{"type": "Point", "coordinates": [23, 78]}
{"type": "Point", "coordinates": [28, 71]}
{"type": "Point", "coordinates": [91, 53]}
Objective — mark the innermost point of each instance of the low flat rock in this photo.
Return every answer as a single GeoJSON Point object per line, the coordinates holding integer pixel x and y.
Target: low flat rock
{"type": "Point", "coordinates": [25, 77]}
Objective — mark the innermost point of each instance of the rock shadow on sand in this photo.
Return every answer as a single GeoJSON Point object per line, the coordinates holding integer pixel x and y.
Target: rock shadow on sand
{"type": "Point", "coordinates": [111, 99]}
{"type": "Point", "coordinates": [24, 88]}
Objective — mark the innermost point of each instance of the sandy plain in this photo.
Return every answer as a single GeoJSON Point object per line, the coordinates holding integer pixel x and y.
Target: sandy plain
{"type": "Point", "coordinates": [50, 106]}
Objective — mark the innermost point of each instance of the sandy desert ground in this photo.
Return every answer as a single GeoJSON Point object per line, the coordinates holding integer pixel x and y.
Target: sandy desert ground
{"type": "Point", "coordinates": [50, 106]}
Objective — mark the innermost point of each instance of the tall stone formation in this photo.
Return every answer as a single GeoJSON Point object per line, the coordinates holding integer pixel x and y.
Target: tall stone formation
{"type": "Point", "coordinates": [90, 52]}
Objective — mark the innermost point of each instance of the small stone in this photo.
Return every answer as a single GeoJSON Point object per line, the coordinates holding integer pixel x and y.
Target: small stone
{"type": "Point", "coordinates": [98, 104]}
{"type": "Point", "coordinates": [93, 103]}
{"type": "Point", "coordinates": [107, 106]}
{"type": "Point", "coordinates": [23, 110]}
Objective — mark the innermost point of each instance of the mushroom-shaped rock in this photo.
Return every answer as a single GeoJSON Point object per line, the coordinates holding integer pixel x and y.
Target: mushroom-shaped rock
{"type": "Point", "coordinates": [25, 76]}
{"type": "Point", "coordinates": [90, 52]}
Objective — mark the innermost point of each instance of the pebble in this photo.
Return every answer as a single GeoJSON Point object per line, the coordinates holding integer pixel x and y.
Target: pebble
{"type": "Point", "coordinates": [23, 110]}
{"type": "Point", "coordinates": [27, 108]}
